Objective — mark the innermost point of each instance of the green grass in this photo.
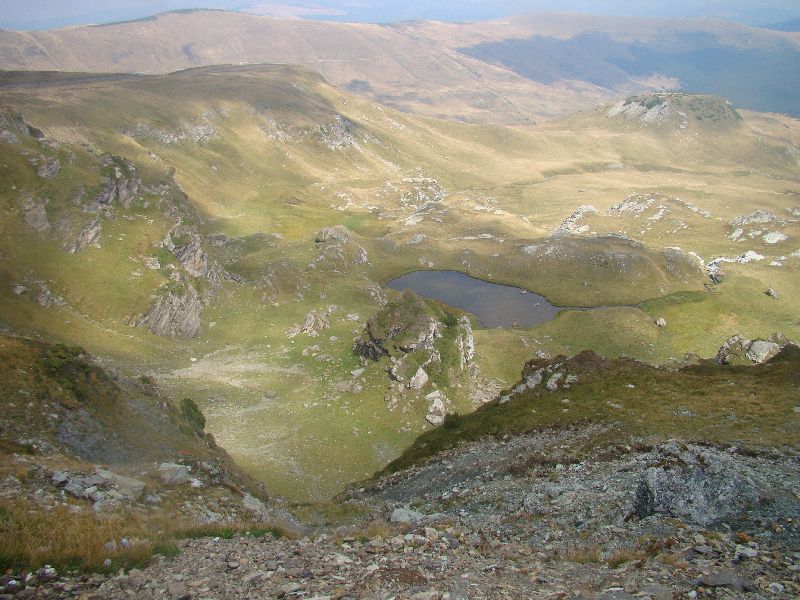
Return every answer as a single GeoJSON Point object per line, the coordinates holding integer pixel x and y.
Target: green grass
{"type": "Point", "coordinates": [277, 410]}
{"type": "Point", "coordinates": [751, 406]}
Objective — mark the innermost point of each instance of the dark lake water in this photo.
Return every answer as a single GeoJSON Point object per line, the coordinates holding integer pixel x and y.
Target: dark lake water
{"type": "Point", "coordinates": [493, 305]}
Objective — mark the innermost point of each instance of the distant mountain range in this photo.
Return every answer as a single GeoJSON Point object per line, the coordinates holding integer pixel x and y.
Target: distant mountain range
{"type": "Point", "coordinates": [790, 25]}
{"type": "Point", "coordinates": [513, 70]}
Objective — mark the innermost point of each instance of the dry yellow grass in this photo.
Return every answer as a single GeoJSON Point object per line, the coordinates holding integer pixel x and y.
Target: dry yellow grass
{"type": "Point", "coordinates": [68, 540]}
{"type": "Point", "coordinates": [73, 538]}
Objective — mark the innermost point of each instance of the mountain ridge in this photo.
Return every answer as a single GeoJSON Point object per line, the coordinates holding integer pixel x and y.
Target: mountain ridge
{"type": "Point", "coordinates": [419, 67]}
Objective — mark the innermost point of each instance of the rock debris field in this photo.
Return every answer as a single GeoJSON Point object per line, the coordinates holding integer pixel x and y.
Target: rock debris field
{"type": "Point", "coordinates": [522, 517]}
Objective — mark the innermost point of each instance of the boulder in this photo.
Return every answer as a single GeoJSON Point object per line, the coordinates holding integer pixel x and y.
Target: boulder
{"type": "Point", "coordinates": [437, 409]}
{"type": "Point", "coordinates": [255, 506]}
{"type": "Point", "coordinates": [695, 484]}
{"type": "Point", "coordinates": [419, 380]}
{"type": "Point", "coordinates": [740, 351]}
{"type": "Point", "coordinates": [661, 322]}
{"type": "Point", "coordinates": [173, 474]}
{"type": "Point", "coordinates": [128, 486]}
{"type": "Point", "coordinates": [406, 516]}
{"type": "Point", "coordinates": [760, 351]}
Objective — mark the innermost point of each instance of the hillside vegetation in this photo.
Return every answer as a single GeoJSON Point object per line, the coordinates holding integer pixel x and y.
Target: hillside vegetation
{"type": "Point", "coordinates": [226, 230]}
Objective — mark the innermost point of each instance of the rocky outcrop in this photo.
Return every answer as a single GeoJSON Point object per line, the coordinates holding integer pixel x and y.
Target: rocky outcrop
{"type": "Point", "coordinates": [187, 247]}
{"type": "Point", "coordinates": [314, 323]}
{"type": "Point", "coordinates": [714, 268]}
{"type": "Point", "coordinates": [12, 125]}
{"type": "Point", "coordinates": [122, 186]}
{"type": "Point", "coordinates": [338, 249]}
{"type": "Point", "coordinates": [437, 410]}
{"type": "Point", "coordinates": [694, 484]}
{"type": "Point", "coordinates": [88, 236]}
{"type": "Point", "coordinates": [571, 226]}
{"type": "Point", "coordinates": [339, 135]}
{"type": "Point", "coordinates": [404, 325]}
{"type": "Point", "coordinates": [49, 168]}
{"type": "Point", "coordinates": [34, 214]}
{"type": "Point", "coordinates": [738, 350]}
{"type": "Point", "coordinates": [199, 132]}
{"type": "Point", "coordinates": [759, 217]}
{"type": "Point", "coordinates": [175, 312]}
{"type": "Point", "coordinates": [647, 109]}
{"type": "Point", "coordinates": [465, 342]}
{"type": "Point", "coordinates": [774, 237]}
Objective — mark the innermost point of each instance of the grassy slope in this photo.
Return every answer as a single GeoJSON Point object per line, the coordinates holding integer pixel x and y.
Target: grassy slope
{"type": "Point", "coordinates": [267, 171]}
{"type": "Point", "coordinates": [749, 406]}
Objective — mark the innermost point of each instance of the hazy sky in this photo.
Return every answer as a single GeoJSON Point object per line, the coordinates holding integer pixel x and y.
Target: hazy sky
{"type": "Point", "coordinates": [40, 14]}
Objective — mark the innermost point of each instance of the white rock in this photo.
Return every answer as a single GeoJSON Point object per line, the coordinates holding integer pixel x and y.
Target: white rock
{"type": "Point", "coordinates": [552, 383]}
{"type": "Point", "coordinates": [130, 487]}
{"type": "Point", "coordinates": [761, 351]}
{"type": "Point", "coordinates": [406, 516]}
{"type": "Point", "coordinates": [775, 237]}
{"type": "Point", "coordinates": [419, 380]}
{"type": "Point", "coordinates": [436, 409]}
{"type": "Point", "coordinates": [534, 379]}
{"type": "Point", "coordinates": [255, 506]}
{"type": "Point", "coordinates": [173, 474]}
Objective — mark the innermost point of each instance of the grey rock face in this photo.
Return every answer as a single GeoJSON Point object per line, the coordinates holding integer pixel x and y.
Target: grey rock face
{"type": "Point", "coordinates": [130, 487]}
{"type": "Point", "coordinates": [437, 409]}
{"type": "Point", "coordinates": [555, 379]}
{"type": "Point", "coordinates": [738, 351]}
{"type": "Point", "coordinates": [35, 215]}
{"type": "Point", "coordinates": [175, 314]}
{"type": "Point", "coordinates": [734, 348]}
{"type": "Point", "coordinates": [465, 342]}
{"type": "Point", "coordinates": [123, 187]}
{"type": "Point", "coordinates": [759, 216]}
{"type": "Point", "coordinates": [13, 125]}
{"type": "Point", "coordinates": [186, 246]}
{"type": "Point", "coordinates": [760, 351]}
{"type": "Point", "coordinates": [693, 484]}
{"type": "Point", "coordinates": [407, 516]}
{"type": "Point", "coordinates": [87, 237]}
{"type": "Point", "coordinates": [419, 380]}
{"type": "Point", "coordinates": [49, 168]}
{"type": "Point", "coordinates": [8, 137]}
{"type": "Point", "coordinates": [338, 247]}
{"type": "Point", "coordinates": [173, 474]}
